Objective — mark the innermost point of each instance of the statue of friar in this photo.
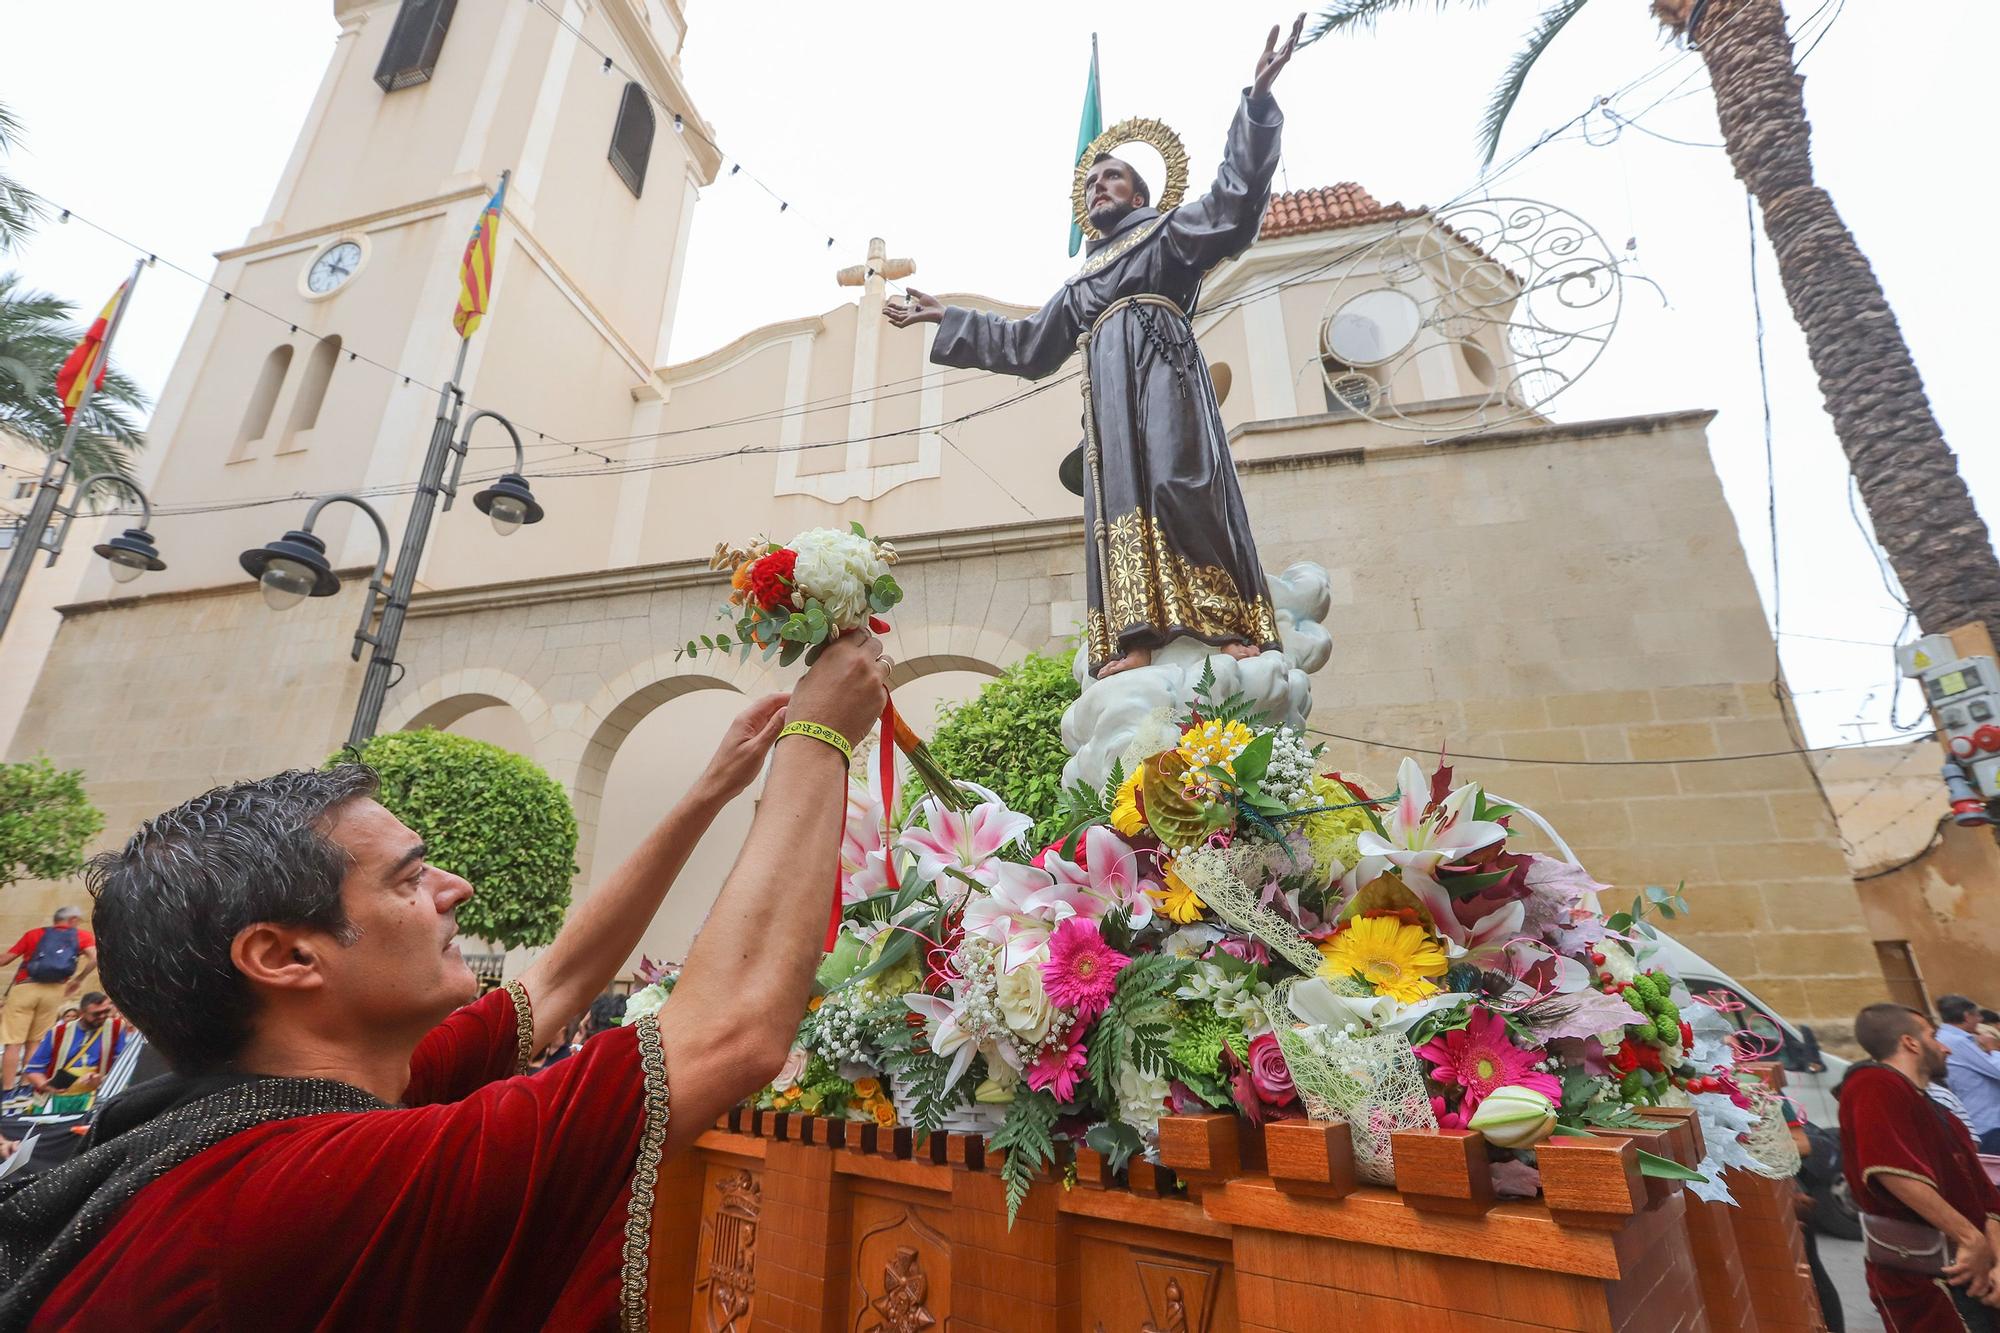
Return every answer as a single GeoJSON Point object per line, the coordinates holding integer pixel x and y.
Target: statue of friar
{"type": "Point", "coordinates": [1170, 552]}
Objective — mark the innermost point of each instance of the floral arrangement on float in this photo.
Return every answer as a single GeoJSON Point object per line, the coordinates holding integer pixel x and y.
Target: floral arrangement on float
{"type": "Point", "coordinates": [1223, 926]}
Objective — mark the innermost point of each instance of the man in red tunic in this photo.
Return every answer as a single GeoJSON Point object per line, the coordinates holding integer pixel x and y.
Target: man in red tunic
{"type": "Point", "coordinates": [1909, 1160]}
{"type": "Point", "coordinates": [328, 1155]}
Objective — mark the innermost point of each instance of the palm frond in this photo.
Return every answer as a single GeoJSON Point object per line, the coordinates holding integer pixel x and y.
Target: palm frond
{"type": "Point", "coordinates": [1553, 20]}
{"type": "Point", "coordinates": [1346, 15]}
{"type": "Point", "coordinates": [20, 207]}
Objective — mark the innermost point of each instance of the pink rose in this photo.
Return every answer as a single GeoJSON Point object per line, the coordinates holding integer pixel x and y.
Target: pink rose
{"type": "Point", "coordinates": [1268, 1070]}
{"type": "Point", "coordinates": [1248, 951]}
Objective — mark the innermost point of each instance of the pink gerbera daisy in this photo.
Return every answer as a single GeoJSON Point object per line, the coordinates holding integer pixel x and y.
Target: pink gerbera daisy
{"type": "Point", "coordinates": [1082, 969]}
{"type": "Point", "coordinates": [1058, 1069]}
{"type": "Point", "coordinates": [1481, 1057]}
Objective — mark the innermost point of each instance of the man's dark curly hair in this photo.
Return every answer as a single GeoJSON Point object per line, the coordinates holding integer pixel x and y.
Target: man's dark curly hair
{"type": "Point", "coordinates": [173, 899]}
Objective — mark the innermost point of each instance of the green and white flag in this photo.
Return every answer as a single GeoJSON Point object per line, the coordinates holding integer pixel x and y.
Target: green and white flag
{"type": "Point", "coordinates": [1087, 129]}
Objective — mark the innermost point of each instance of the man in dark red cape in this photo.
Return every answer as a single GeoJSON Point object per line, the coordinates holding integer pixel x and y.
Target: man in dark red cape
{"type": "Point", "coordinates": [1910, 1160]}
{"type": "Point", "coordinates": [328, 1154]}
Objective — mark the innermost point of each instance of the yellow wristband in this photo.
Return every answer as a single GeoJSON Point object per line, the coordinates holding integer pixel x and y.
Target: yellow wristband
{"type": "Point", "coordinates": [819, 733]}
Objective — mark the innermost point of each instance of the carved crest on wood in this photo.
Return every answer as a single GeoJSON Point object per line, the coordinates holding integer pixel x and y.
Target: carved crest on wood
{"type": "Point", "coordinates": [731, 1231]}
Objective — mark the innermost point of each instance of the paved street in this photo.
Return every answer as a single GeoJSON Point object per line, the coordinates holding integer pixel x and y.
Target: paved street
{"type": "Point", "coordinates": [1843, 1263]}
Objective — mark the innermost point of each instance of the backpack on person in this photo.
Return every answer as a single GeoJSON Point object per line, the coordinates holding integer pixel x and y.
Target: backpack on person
{"type": "Point", "coordinates": [54, 958]}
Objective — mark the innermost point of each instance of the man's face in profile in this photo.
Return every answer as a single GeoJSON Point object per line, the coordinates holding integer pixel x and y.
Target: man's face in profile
{"type": "Point", "coordinates": [403, 970]}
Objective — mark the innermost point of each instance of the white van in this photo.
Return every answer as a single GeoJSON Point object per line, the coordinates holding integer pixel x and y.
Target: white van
{"type": "Point", "coordinates": [1811, 1075]}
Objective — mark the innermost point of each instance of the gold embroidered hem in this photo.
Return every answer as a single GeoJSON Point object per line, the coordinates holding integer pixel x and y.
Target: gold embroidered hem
{"type": "Point", "coordinates": [1149, 584]}
{"type": "Point", "coordinates": [524, 1027]}
{"type": "Point", "coordinates": [632, 1275]}
{"type": "Point", "coordinates": [1875, 1171]}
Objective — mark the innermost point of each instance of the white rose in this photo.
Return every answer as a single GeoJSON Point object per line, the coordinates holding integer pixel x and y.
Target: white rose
{"type": "Point", "coordinates": [645, 1000]}
{"type": "Point", "coordinates": [1024, 1005]}
{"type": "Point", "coordinates": [1141, 1097]}
{"type": "Point", "coordinates": [837, 569]}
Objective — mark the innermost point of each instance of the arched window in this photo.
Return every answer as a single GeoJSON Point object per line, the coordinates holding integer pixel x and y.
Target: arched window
{"type": "Point", "coordinates": [414, 43]}
{"type": "Point", "coordinates": [312, 389]}
{"type": "Point", "coordinates": [264, 397]}
{"type": "Point", "coordinates": [632, 138]}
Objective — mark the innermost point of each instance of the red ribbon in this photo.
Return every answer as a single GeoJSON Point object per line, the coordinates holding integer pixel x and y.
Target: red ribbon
{"type": "Point", "coordinates": [885, 749]}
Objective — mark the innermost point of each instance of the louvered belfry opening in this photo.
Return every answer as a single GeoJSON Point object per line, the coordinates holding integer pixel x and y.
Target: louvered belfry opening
{"type": "Point", "coordinates": [632, 138]}
{"type": "Point", "coordinates": [414, 43]}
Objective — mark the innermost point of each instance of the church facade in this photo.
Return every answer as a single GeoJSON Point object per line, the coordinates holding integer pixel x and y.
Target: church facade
{"type": "Point", "coordinates": [1567, 601]}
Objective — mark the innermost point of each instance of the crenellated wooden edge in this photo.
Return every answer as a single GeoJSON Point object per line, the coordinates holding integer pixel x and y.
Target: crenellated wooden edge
{"type": "Point", "coordinates": [1593, 1183]}
{"type": "Point", "coordinates": [1297, 1240]}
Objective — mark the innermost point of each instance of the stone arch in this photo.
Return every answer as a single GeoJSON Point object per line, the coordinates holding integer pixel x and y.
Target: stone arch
{"type": "Point", "coordinates": [600, 726]}
{"type": "Point", "coordinates": [903, 672]}
{"type": "Point", "coordinates": [444, 699]}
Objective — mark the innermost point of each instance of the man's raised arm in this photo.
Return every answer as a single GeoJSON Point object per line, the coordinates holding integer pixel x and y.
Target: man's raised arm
{"type": "Point", "coordinates": [734, 1011]}
{"type": "Point", "coordinates": [594, 944]}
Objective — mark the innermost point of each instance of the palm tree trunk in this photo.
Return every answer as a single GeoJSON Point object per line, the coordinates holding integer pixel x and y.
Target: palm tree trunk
{"type": "Point", "coordinates": [1908, 476]}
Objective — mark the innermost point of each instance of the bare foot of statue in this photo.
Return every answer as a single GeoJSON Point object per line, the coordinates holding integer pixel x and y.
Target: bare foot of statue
{"type": "Point", "coordinates": [1138, 657]}
{"type": "Point", "coordinates": [1242, 651]}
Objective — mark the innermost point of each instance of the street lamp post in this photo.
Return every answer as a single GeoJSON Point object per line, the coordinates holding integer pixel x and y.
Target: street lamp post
{"type": "Point", "coordinates": [131, 554]}
{"type": "Point", "coordinates": [295, 566]}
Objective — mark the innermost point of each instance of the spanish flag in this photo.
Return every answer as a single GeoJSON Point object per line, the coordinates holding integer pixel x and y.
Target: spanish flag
{"type": "Point", "coordinates": [83, 369]}
{"type": "Point", "coordinates": [475, 271]}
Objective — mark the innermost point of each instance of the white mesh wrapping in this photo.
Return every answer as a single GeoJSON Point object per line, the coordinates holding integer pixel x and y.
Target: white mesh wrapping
{"type": "Point", "coordinates": [1222, 878]}
{"type": "Point", "coordinates": [1371, 1081]}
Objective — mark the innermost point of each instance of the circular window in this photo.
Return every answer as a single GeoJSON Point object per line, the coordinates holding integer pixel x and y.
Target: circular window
{"type": "Point", "coordinates": [1373, 327]}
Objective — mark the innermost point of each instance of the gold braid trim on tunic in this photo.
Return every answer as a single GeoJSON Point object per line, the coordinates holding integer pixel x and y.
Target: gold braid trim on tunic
{"type": "Point", "coordinates": [524, 1027]}
{"type": "Point", "coordinates": [632, 1275]}
{"type": "Point", "coordinates": [1147, 582]}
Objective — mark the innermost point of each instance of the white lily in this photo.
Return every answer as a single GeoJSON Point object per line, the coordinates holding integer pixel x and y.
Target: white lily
{"type": "Point", "coordinates": [943, 1032]}
{"type": "Point", "coordinates": [1416, 843]}
{"type": "Point", "coordinates": [1313, 1001]}
{"type": "Point", "coordinates": [1021, 907]}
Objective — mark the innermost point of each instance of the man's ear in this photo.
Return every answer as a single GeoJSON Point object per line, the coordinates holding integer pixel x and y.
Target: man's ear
{"type": "Point", "coordinates": [281, 957]}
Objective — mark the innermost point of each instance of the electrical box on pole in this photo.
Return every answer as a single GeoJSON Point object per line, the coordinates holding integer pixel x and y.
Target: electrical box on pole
{"type": "Point", "coordinates": [1963, 694]}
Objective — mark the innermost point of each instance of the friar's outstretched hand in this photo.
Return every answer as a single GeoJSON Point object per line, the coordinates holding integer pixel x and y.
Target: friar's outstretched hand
{"type": "Point", "coordinates": [1275, 57]}
{"type": "Point", "coordinates": [915, 308]}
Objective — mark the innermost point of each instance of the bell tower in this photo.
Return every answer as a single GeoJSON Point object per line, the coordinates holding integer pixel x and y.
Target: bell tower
{"type": "Point", "coordinates": [319, 371]}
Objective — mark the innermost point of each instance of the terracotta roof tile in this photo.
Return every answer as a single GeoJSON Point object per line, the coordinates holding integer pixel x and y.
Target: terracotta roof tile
{"type": "Point", "coordinates": [1302, 212]}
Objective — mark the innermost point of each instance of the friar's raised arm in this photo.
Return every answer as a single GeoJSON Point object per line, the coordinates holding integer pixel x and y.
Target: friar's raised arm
{"type": "Point", "coordinates": [1223, 222]}
{"type": "Point", "coordinates": [1031, 347]}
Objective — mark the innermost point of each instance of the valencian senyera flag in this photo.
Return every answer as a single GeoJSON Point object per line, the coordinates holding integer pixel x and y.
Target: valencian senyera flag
{"type": "Point", "coordinates": [83, 369]}
{"type": "Point", "coordinates": [475, 271]}
{"type": "Point", "coordinates": [1087, 129]}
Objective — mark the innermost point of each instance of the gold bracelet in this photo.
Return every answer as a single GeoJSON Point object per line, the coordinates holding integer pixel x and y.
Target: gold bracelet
{"type": "Point", "coordinates": [819, 733]}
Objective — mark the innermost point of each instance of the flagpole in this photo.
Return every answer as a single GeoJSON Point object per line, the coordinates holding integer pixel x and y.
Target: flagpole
{"type": "Point", "coordinates": [55, 473]}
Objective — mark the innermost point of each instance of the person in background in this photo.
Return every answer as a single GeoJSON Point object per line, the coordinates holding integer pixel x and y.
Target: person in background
{"type": "Point", "coordinates": [70, 1063]}
{"type": "Point", "coordinates": [1974, 1071]}
{"type": "Point", "coordinates": [55, 959]}
{"type": "Point", "coordinates": [1816, 1165]}
{"type": "Point", "coordinates": [1909, 1161]}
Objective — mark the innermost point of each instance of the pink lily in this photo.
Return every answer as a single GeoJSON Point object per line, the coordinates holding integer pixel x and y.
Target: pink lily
{"type": "Point", "coordinates": [1112, 876]}
{"type": "Point", "coordinates": [967, 842]}
{"type": "Point", "coordinates": [1019, 909]}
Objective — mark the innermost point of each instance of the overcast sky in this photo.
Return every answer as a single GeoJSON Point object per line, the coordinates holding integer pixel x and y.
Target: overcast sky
{"type": "Point", "coordinates": [948, 130]}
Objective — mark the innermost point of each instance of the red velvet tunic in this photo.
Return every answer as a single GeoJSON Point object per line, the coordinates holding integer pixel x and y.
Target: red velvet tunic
{"type": "Point", "coordinates": [1889, 1127]}
{"type": "Point", "coordinates": [485, 1201]}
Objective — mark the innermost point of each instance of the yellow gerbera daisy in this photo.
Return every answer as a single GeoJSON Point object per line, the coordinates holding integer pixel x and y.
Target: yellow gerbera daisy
{"type": "Point", "coordinates": [1178, 902]}
{"type": "Point", "coordinates": [1125, 816]}
{"type": "Point", "coordinates": [1394, 957]}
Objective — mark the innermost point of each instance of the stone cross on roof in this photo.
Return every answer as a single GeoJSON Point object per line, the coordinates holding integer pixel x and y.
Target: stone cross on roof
{"type": "Point", "coordinates": [870, 276]}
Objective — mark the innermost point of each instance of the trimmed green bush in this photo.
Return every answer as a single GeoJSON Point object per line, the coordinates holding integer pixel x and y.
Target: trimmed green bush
{"type": "Point", "coordinates": [46, 821]}
{"type": "Point", "coordinates": [489, 815]}
{"type": "Point", "coordinates": [1008, 737]}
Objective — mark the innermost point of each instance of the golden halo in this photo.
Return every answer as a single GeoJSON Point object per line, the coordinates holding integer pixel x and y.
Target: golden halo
{"type": "Point", "coordinates": [1135, 130]}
